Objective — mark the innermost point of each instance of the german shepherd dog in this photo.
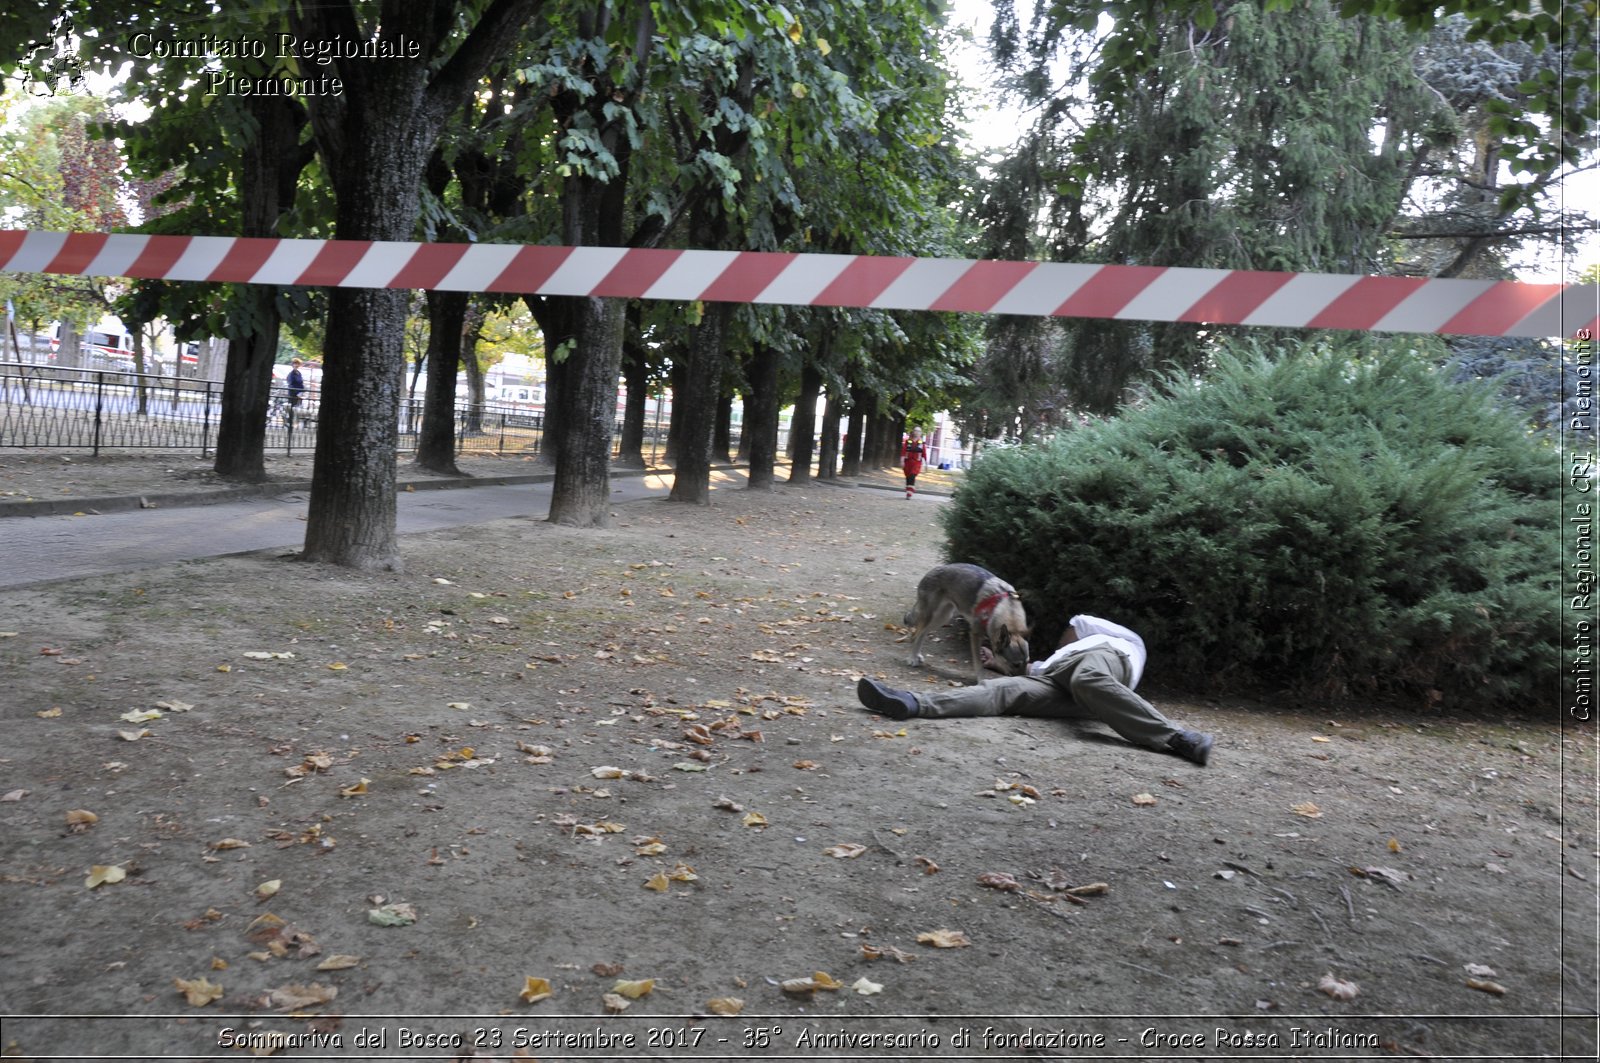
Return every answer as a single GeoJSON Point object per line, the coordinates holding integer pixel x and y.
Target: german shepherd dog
{"type": "Point", "coordinates": [989, 605]}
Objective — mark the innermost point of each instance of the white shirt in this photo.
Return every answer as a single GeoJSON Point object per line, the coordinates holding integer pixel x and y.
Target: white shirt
{"type": "Point", "coordinates": [1093, 631]}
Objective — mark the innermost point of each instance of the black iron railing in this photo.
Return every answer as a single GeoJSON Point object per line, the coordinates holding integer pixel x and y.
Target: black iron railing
{"type": "Point", "coordinates": [72, 409]}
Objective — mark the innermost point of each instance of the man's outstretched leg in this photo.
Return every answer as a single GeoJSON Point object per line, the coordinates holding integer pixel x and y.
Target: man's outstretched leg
{"type": "Point", "coordinates": [1018, 695]}
{"type": "Point", "coordinates": [1097, 686]}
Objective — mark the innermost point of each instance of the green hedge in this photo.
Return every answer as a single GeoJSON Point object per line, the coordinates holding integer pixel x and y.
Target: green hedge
{"type": "Point", "coordinates": [1334, 522]}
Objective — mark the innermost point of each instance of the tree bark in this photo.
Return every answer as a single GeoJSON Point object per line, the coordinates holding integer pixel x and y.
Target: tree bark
{"type": "Point", "coordinates": [636, 378]}
{"type": "Point", "coordinates": [828, 449]}
{"type": "Point", "coordinates": [853, 431]}
{"type": "Point", "coordinates": [436, 441]}
{"type": "Point", "coordinates": [581, 494]}
{"type": "Point", "coordinates": [722, 429]}
{"type": "Point", "coordinates": [803, 429]}
{"type": "Point", "coordinates": [269, 167]}
{"type": "Point", "coordinates": [759, 439]}
{"type": "Point", "coordinates": [691, 479]}
{"type": "Point", "coordinates": [375, 141]}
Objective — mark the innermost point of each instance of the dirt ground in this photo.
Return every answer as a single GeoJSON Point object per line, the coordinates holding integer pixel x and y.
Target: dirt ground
{"type": "Point", "coordinates": [377, 814]}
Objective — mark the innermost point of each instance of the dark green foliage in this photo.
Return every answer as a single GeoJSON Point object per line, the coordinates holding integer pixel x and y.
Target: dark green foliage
{"type": "Point", "coordinates": [1342, 520]}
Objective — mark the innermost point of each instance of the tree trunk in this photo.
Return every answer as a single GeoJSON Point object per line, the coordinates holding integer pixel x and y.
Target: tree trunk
{"type": "Point", "coordinates": [246, 391]}
{"type": "Point", "coordinates": [554, 315]}
{"type": "Point", "coordinates": [68, 348]}
{"type": "Point", "coordinates": [722, 430]}
{"type": "Point", "coordinates": [759, 439]}
{"type": "Point", "coordinates": [853, 432]}
{"type": "Point", "coordinates": [213, 359]}
{"type": "Point", "coordinates": [375, 140]}
{"type": "Point", "coordinates": [351, 521]}
{"type": "Point", "coordinates": [269, 167]}
{"type": "Point", "coordinates": [680, 359]}
{"type": "Point", "coordinates": [436, 441]}
{"type": "Point", "coordinates": [803, 429]}
{"type": "Point", "coordinates": [696, 405]}
{"type": "Point", "coordinates": [581, 494]}
{"type": "Point", "coordinates": [477, 385]}
{"type": "Point", "coordinates": [636, 378]}
{"type": "Point", "coordinates": [828, 450]}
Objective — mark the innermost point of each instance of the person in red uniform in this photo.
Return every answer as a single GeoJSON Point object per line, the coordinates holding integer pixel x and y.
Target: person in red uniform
{"type": "Point", "coordinates": [912, 456]}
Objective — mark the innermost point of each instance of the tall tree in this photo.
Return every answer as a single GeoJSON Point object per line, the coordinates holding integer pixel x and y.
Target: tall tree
{"type": "Point", "coordinates": [1247, 134]}
{"type": "Point", "coordinates": [375, 140]}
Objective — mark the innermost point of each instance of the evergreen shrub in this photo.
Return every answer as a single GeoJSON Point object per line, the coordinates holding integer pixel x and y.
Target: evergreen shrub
{"type": "Point", "coordinates": [1338, 520]}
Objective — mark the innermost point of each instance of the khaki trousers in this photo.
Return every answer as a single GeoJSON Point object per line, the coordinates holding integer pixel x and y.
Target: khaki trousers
{"type": "Point", "coordinates": [1091, 685]}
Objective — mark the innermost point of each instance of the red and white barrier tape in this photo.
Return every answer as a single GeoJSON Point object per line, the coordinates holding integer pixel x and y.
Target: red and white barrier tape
{"type": "Point", "coordinates": [1042, 289]}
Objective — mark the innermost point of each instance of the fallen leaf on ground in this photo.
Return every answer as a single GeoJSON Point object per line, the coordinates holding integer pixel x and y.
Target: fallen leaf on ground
{"type": "Point", "coordinates": [101, 874]}
{"type": "Point", "coordinates": [1306, 809]}
{"type": "Point", "coordinates": [140, 715]}
{"type": "Point", "coordinates": [634, 989]}
{"type": "Point", "coordinates": [944, 939]}
{"type": "Point", "coordinates": [613, 1002]}
{"type": "Point", "coordinates": [725, 1005]}
{"type": "Point", "coordinates": [268, 655]}
{"type": "Point", "coordinates": [50, 713]}
{"type": "Point", "coordinates": [866, 988]}
{"type": "Point", "coordinates": [1092, 889]}
{"type": "Point", "coordinates": [338, 962]}
{"type": "Point", "coordinates": [928, 866]}
{"type": "Point", "coordinates": [174, 705]}
{"type": "Point", "coordinates": [1337, 988]}
{"type": "Point", "coordinates": [392, 915]}
{"type": "Point", "coordinates": [230, 843]}
{"type": "Point", "coordinates": [878, 952]}
{"type": "Point", "coordinates": [535, 990]}
{"type": "Point", "coordinates": [80, 820]}
{"type": "Point", "coordinates": [198, 991]}
{"type": "Point", "coordinates": [754, 819]}
{"type": "Point", "coordinates": [268, 889]}
{"type": "Point", "coordinates": [845, 850]}
{"type": "Point", "coordinates": [1144, 800]}
{"type": "Point", "coordinates": [999, 880]}
{"type": "Point", "coordinates": [1485, 986]}
{"type": "Point", "coordinates": [357, 790]}
{"type": "Point", "coordinates": [606, 771]}
{"type": "Point", "coordinates": [133, 736]}
{"type": "Point", "coordinates": [1478, 970]}
{"type": "Point", "coordinates": [658, 882]}
{"type": "Point", "coordinates": [15, 795]}
{"type": "Point", "coordinates": [803, 986]}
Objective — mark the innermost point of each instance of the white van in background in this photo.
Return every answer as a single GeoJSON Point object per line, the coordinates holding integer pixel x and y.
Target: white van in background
{"type": "Point", "coordinates": [106, 346]}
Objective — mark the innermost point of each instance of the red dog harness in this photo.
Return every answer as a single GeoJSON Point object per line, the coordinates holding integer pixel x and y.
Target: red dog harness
{"type": "Point", "coordinates": [985, 609]}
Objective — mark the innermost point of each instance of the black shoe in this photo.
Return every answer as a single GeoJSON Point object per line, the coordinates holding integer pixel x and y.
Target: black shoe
{"type": "Point", "coordinates": [886, 701]}
{"type": "Point", "coordinates": [1191, 745]}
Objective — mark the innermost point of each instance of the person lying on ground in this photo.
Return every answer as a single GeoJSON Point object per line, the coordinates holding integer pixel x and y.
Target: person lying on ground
{"type": "Point", "coordinates": [1091, 677]}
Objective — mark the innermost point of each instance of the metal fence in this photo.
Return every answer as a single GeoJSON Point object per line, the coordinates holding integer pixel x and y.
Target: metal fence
{"type": "Point", "coordinates": [46, 406]}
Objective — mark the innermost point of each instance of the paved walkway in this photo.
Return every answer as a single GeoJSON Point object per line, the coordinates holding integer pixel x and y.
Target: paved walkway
{"type": "Point", "coordinates": [39, 549]}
